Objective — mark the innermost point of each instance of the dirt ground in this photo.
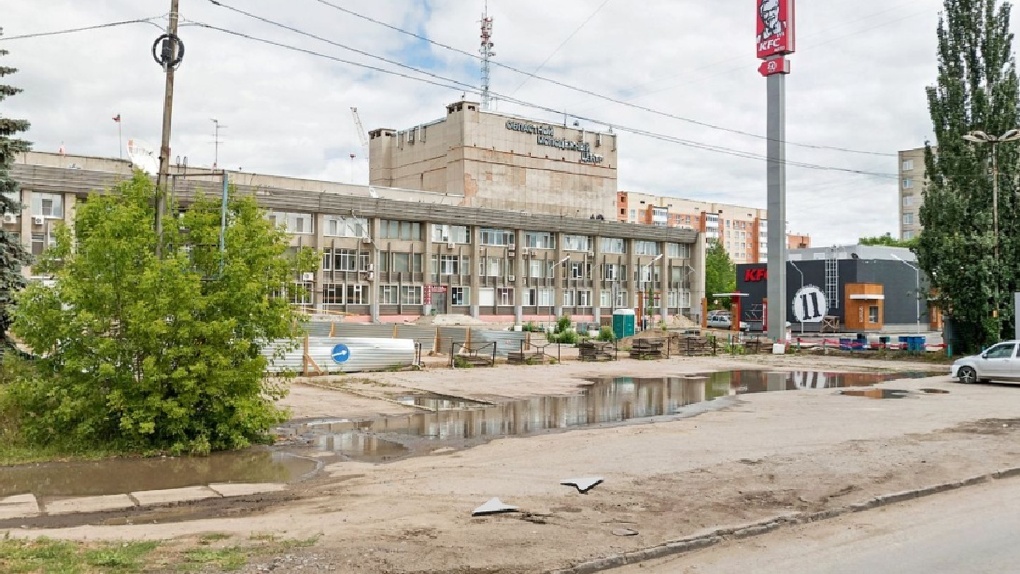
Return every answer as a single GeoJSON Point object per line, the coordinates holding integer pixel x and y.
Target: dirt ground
{"type": "Point", "coordinates": [755, 457]}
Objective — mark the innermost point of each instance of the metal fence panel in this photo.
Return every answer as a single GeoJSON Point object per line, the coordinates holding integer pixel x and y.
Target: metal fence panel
{"type": "Point", "coordinates": [358, 354]}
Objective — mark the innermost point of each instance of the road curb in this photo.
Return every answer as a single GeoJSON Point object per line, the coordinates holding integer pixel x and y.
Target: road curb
{"type": "Point", "coordinates": [714, 537]}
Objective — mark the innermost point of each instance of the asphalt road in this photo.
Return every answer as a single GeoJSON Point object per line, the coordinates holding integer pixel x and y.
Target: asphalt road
{"type": "Point", "coordinates": [972, 530]}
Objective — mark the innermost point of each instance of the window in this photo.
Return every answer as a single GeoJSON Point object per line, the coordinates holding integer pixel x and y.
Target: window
{"type": "Point", "coordinates": [332, 294]}
{"type": "Point", "coordinates": [460, 296]}
{"type": "Point", "coordinates": [540, 268]}
{"type": "Point", "coordinates": [347, 260]}
{"type": "Point", "coordinates": [568, 298]}
{"type": "Point", "coordinates": [298, 223]}
{"type": "Point", "coordinates": [907, 235]}
{"type": "Point", "coordinates": [496, 237]}
{"type": "Point", "coordinates": [539, 240]}
{"type": "Point", "coordinates": [404, 230]}
{"type": "Point", "coordinates": [908, 200]}
{"type": "Point", "coordinates": [357, 294]}
{"type": "Point", "coordinates": [908, 183]}
{"type": "Point", "coordinates": [490, 266]}
{"type": "Point", "coordinates": [633, 215]}
{"type": "Point", "coordinates": [48, 204]}
{"type": "Point", "coordinates": [583, 298]}
{"type": "Point", "coordinates": [486, 297]}
{"type": "Point", "coordinates": [1001, 351]}
{"type": "Point", "coordinates": [406, 263]}
{"type": "Point", "coordinates": [612, 245]}
{"type": "Point", "coordinates": [908, 165]}
{"type": "Point", "coordinates": [505, 296]}
{"type": "Point", "coordinates": [873, 314]}
{"type": "Point", "coordinates": [410, 294]}
{"type": "Point", "coordinates": [42, 241]}
{"type": "Point", "coordinates": [339, 226]}
{"type": "Point", "coordinates": [580, 270]}
{"type": "Point", "coordinates": [388, 295]}
{"type": "Point", "coordinates": [13, 197]}
{"type": "Point", "coordinates": [542, 297]}
{"type": "Point", "coordinates": [613, 272]}
{"type": "Point", "coordinates": [576, 243]}
{"type": "Point", "coordinates": [646, 247]}
{"type": "Point", "coordinates": [300, 293]}
{"type": "Point", "coordinates": [621, 298]}
{"type": "Point", "coordinates": [606, 299]}
{"type": "Point", "coordinates": [908, 219]}
{"type": "Point", "coordinates": [451, 234]}
{"type": "Point", "coordinates": [681, 250]}
{"type": "Point", "coordinates": [453, 264]}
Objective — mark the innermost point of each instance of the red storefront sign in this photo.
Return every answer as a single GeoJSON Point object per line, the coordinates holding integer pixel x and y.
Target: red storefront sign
{"type": "Point", "coordinates": [775, 31]}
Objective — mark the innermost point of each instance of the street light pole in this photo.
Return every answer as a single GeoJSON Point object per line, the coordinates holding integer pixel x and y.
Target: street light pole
{"type": "Point", "coordinates": [980, 137]}
{"type": "Point", "coordinates": [917, 289]}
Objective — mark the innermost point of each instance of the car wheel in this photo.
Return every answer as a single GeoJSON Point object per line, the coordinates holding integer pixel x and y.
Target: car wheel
{"type": "Point", "coordinates": [967, 375]}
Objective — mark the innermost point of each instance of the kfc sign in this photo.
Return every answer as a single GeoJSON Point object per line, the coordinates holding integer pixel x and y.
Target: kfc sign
{"type": "Point", "coordinates": [756, 275]}
{"type": "Point", "coordinates": [777, 65]}
{"type": "Point", "coordinates": [775, 28]}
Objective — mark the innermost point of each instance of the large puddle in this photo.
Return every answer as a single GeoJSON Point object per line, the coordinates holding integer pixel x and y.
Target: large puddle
{"type": "Point", "coordinates": [437, 422]}
{"type": "Point", "coordinates": [453, 422]}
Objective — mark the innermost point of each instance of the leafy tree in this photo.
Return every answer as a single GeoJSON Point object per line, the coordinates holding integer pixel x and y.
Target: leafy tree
{"type": "Point", "coordinates": [12, 255]}
{"type": "Point", "coordinates": [150, 354]}
{"type": "Point", "coordinates": [887, 240]}
{"type": "Point", "coordinates": [976, 89]}
{"type": "Point", "coordinates": [720, 273]}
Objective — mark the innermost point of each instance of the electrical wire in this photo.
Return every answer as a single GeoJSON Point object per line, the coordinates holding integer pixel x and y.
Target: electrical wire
{"type": "Point", "coordinates": [592, 93]}
{"type": "Point", "coordinates": [74, 30]}
{"type": "Point", "coordinates": [437, 80]}
{"type": "Point", "coordinates": [558, 48]}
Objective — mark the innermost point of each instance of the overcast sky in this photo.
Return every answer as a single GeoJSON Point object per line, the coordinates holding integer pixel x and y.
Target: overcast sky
{"type": "Point", "coordinates": [857, 83]}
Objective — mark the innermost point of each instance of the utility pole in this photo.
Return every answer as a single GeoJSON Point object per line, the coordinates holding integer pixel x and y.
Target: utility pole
{"type": "Point", "coordinates": [172, 51]}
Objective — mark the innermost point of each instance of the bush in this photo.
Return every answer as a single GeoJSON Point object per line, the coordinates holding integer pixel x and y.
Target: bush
{"type": "Point", "coordinates": [606, 334]}
{"type": "Point", "coordinates": [562, 324]}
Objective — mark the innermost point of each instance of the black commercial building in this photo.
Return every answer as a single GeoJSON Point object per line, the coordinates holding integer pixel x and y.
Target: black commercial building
{"type": "Point", "coordinates": [853, 288]}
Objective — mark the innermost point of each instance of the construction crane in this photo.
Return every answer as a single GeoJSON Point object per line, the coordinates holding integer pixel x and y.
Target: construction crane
{"type": "Point", "coordinates": [360, 129]}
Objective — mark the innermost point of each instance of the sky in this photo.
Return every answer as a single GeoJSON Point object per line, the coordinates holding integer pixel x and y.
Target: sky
{"type": "Point", "coordinates": [677, 69]}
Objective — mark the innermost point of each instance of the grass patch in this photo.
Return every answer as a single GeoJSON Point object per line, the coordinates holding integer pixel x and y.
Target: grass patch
{"type": "Point", "coordinates": [224, 559]}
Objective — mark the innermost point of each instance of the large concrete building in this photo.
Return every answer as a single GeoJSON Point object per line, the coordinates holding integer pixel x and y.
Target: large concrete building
{"type": "Point", "coordinates": [500, 162]}
{"type": "Point", "coordinates": [391, 255]}
{"type": "Point", "coordinates": [911, 192]}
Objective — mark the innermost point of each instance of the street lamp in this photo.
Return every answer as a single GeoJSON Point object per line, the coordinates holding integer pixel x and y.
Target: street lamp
{"type": "Point", "coordinates": [980, 137]}
{"type": "Point", "coordinates": [917, 288]}
{"type": "Point", "coordinates": [802, 288]}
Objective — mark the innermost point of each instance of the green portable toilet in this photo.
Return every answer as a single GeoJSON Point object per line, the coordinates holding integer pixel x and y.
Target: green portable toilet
{"type": "Point", "coordinates": [624, 323]}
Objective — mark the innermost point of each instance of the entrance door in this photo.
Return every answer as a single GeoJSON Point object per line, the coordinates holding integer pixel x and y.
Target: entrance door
{"type": "Point", "coordinates": [439, 303]}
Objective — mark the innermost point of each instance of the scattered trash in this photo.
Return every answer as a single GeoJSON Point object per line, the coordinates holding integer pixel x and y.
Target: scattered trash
{"type": "Point", "coordinates": [624, 532]}
{"type": "Point", "coordinates": [493, 506]}
{"type": "Point", "coordinates": [935, 391]}
{"type": "Point", "coordinates": [583, 484]}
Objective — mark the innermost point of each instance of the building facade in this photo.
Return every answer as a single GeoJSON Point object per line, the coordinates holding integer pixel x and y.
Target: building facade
{"type": "Point", "coordinates": [911, 192]}
{"type": "Point", "coordinates": [500, 162]}
{"type": "Point", "coordinates": [852, 288]}
{"type": "Point", "coordinates": [391, 255]}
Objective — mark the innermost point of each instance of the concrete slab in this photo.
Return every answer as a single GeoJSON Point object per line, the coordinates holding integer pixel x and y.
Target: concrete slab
{"type": "Point", "coordinates": [242, 489]}
{"type": "Point", "coordinates": [19, 506]}
{"type": "Point", "coordinates": [171, 495]}
{"type": "Point", "coordinates": [89, 504]}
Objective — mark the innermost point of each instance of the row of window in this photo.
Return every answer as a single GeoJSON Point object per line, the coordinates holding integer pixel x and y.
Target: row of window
{"type": "Point", "coordinates": [357, 294]}
{"type": "Point", "coordinates": [43, 204]}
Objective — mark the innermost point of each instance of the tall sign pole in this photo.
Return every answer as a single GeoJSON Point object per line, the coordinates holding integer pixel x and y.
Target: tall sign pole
{"type": "Point", "coordinates": [775, 39]}
{"type": "Point", "coordinates": [168, 51]}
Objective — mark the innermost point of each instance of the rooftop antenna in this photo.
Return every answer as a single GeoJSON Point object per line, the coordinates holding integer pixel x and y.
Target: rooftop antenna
{"type": "Point", "coordinates": [216, 141]}
{"type": "Point", "coordinates": [487, 54]}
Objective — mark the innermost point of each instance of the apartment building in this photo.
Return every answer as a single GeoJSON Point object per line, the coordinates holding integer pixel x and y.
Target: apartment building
{"type": "Point", "coordinates": [393, 255]}
{"type": "Point", "coordinates": [743, 231]}
{"type": "Point", "coordinates": [911, 190]}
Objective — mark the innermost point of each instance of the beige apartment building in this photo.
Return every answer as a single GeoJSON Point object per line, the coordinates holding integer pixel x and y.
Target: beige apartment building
{"type": "Point", "coordinates": [911, 190]}
{"type": "Point", "coordinates": [500, 162]}
{"type": "Point", "coordinates": [743, 231]}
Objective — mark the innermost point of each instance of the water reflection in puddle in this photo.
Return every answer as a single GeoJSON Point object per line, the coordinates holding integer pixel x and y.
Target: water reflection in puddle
{"type": "Point", "coordinates": [434, 402]}
{"type": "Point", "coordinates": [118, 476]}
{"type": "Point", "coordinates": [606, 401]}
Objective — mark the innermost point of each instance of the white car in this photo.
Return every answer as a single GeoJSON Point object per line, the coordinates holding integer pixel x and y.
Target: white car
{"type": "Point", "coordinates": [723, 321]}
{"type": "Point", "coordinates": [997, 363]}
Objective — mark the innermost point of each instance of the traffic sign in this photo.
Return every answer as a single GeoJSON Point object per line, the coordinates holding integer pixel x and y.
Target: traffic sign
{"type": "Point", "coordinates": [341, 353]}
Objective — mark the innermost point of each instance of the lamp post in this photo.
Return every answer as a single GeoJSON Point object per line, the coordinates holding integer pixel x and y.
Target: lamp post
{"type": "Point", "coordinates": [917, 288]}
{"type": "Point", "coordinates": [801, 318]}
{"type": "Point", "coordinates": [980, 137]}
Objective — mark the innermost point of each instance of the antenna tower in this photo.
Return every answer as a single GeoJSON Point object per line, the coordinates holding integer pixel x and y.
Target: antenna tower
{"type": "Point", "coordinates": [487, 54]}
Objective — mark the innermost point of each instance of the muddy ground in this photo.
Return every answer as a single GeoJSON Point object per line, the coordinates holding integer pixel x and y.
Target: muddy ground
{"type": "Point", "coordinates": [751, 457]}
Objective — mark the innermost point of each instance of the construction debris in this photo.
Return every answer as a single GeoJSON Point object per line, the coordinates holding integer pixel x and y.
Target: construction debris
{"type": "Point", "coordinates": [493, 506]}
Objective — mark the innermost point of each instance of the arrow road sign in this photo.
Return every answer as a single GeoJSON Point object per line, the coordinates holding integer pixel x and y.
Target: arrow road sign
{"type": "Point", "coordinates": [341, 353]}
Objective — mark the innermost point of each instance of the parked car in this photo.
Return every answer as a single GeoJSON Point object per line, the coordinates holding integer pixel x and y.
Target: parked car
{"type": "Point", "coordinates": [723, 321]}
{"type": "Point", "coordinates": [997, 363]}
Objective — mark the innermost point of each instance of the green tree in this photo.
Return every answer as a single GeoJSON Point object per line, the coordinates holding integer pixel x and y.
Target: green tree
{"type": "Point", "coordinates": [976, 89]}
{"type": "Point", "coordinates": [12, 255]}
{"type": "Point", "coordinates": [720, 274]}
{"type": "Point", "coordinates": [887, 240]}
{"type": "Point", "coordinates": [157, 355]}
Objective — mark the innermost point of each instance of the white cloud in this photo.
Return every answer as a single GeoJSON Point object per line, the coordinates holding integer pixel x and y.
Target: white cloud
{"type": "Point", "coordinates": [858, 82]}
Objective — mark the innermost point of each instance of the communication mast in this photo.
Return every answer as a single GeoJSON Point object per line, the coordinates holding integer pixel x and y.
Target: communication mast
{"type": "Point", "coordinates": [487, 54]}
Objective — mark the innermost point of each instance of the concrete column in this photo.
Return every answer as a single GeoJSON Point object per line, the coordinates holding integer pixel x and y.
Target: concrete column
{"type": "Point", "coordinates": [776, 177]}
{"type": "Point", "coordinates": [557, 276]}
{"type": "Point", "coordinates": [373, 283]}
{"type": "Point", "coordinates": [518, 273]}
{"type": "Point", "coordinates": [632, 267]}
{"type": "Point", "coordinates": [319, 242]}
{"type": "Point", "coordinates": [476, 251]}
{"type": "Point", "coordinates": [664, 282]}
{"type": "Point", "coordinates": [697, 279]}
{"type": "Point", "coordinates": [426, 264]}
{"type": "Point", "coordinates": [596, 279]}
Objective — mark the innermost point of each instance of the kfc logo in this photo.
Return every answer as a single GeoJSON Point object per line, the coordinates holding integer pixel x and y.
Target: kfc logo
{"type": "Point", "coordinates": [756, 275]}
{"type": "Point", "coordinates": [775, 27]}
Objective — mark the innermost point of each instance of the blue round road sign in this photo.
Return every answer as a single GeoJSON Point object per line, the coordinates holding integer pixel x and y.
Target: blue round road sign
{"type": "Point", "coordinates": [341, 353]}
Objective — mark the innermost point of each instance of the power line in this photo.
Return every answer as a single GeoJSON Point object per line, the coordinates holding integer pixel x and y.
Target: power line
{"type": "Point", "coordinates": [460, 86]}
{"type": "Point", "coordinates": [74, 30]}
{"type": "Point", "coordinates": [558, 48]}
{"type": "Point", "coordinates": [592, 93]}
